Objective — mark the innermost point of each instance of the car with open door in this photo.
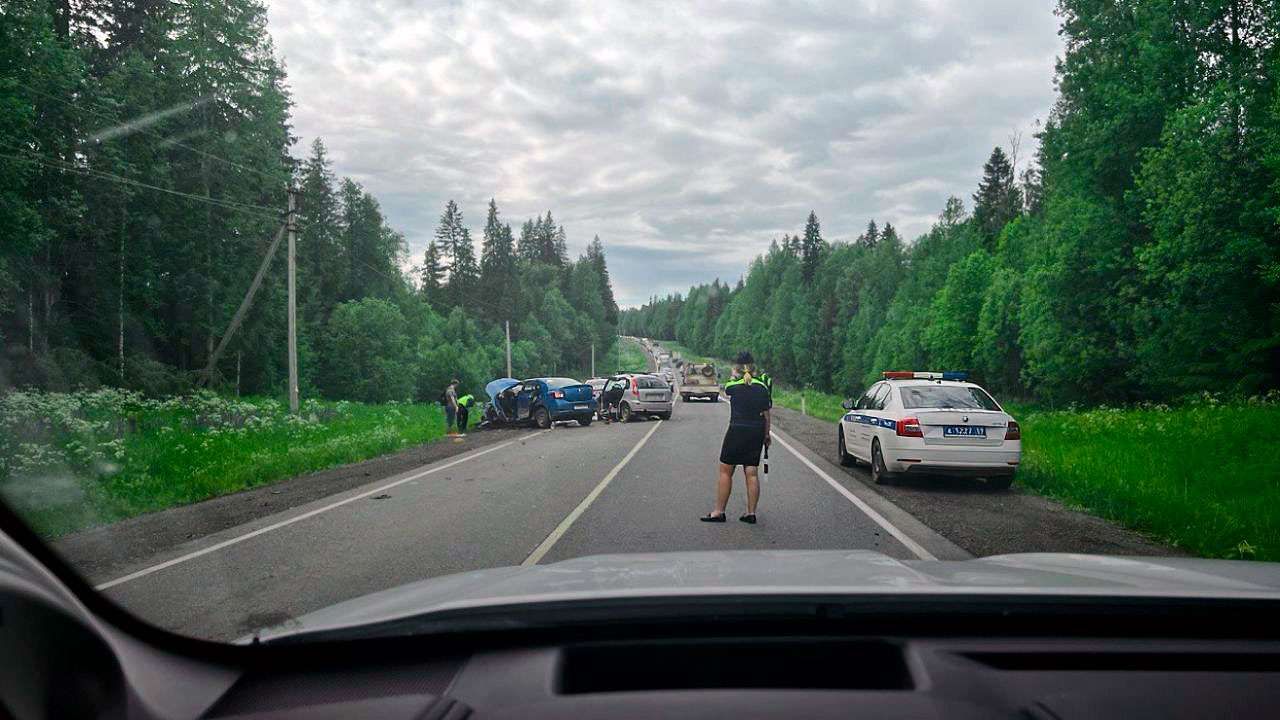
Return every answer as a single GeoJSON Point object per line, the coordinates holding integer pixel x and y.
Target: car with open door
{"type": "Point", "coordinates": [930, 424]}
{"type": "Point", "coordinates": [539, 401]}
{"type": "Point", "coordinates": [642, 395]}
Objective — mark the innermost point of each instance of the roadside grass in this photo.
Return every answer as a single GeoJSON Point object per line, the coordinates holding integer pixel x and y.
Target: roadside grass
{"type": "Point", "coordinates": [626, 356]}
{"type": "Point", "coordinates": [1203, 476]}
{"type": "Point", "coordinates": [818, 404]}
{"type": "Point", "coordinates": [69, 461]}
{"type": "Point", "coordinates": [690, 356]}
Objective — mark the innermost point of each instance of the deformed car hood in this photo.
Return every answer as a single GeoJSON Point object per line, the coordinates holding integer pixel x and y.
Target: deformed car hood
{"type": "Point", "coordinates": [798, 572]}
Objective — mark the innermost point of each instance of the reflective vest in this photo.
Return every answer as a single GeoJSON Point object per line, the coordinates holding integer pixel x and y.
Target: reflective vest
{"type": "Point", "coordinates": [466, 401]}
{"type": "Point", "coordinates": [765, 380]}
{"type": "Point", "coordinates": [740, 381]}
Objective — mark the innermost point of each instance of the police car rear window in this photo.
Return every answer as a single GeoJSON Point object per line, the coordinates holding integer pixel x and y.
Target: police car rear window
{"type": "Point", "coordinates": [946, 396]}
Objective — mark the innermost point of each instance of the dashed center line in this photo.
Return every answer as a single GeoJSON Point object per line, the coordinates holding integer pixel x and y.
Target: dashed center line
{"type": "Point", "coordinates": [545, 546]}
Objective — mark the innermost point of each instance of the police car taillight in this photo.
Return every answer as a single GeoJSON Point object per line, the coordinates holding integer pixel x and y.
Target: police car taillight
{"type": "Point", "coordinates": [909, 427]}
{"type": "Point", "coordinates": [1014, 432]}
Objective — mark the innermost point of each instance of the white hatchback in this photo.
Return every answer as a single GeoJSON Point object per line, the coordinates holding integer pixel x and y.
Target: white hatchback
{"type": "Point", "coordinates": [918, 423]}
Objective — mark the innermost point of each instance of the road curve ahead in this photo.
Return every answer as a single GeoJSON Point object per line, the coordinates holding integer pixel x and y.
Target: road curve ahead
{"type": "Point", "coordinates": [543, 497]}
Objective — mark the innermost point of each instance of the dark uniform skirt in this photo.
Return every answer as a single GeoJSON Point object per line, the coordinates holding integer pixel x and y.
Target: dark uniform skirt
{"type": "Point", "coordinates": [742, 445]}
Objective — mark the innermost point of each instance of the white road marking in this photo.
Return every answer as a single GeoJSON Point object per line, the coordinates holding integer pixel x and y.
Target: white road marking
{"type": "Point", "coordinates": [876, 517]}
{"type": "Point", "coordinates": [546, 545]}
{"type": "Point", "coordinates": [283, 523]}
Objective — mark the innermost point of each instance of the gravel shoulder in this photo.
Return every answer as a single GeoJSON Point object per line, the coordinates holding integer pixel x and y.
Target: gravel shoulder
{"type": "Point", "coordinates": [980, 521]}
{"type": "Point", "coordinates": [95, 551]}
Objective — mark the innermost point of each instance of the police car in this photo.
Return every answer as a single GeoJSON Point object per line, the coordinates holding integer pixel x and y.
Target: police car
{"type": "Point", "coordinates": [930, 423]}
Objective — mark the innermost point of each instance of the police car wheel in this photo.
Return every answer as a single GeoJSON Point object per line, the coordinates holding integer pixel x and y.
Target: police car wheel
{"type": "Point", "coordinates": [542, 418]}
{"type": "Point", "coordinates": [879, 475]}
{"type": "Point", "coordinates": [846, 459]}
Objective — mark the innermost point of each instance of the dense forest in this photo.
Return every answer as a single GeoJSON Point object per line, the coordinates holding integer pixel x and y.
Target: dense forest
{"type": "Point", "coordinates": [145, 156]}
{"type": "Point", "coordinates": [1136, 258]}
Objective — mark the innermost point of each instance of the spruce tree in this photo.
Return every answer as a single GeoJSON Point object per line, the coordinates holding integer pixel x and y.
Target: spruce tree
{"type": "Point", "coordinates": [998, 199]}
{"type": "Point", "coordinates": [811, 247]}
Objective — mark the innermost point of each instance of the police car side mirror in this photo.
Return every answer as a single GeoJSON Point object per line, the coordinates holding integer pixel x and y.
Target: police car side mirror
{"type": "Point", "coordinates": [847, 404]}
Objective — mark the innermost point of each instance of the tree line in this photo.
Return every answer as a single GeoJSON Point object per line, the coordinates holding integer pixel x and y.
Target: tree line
{"type": "Point", "coordinates": [1135, 259]}
{"type": "Point", "coordinates": [145, 153]}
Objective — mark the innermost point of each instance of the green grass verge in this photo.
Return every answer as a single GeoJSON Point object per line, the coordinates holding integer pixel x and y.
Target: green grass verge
{"type": "Point", "coordinates": [73, 460]}
{"type": "Point", "coordinates": [1204, 476]}
{"type": "Point", "coordinates": [626, 356]}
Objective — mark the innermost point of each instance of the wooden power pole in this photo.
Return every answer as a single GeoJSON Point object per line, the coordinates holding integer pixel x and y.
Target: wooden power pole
{"type": "Point", "coordinates": [292, 224]}
{"type": "Point", "coordinates": [508, 325]}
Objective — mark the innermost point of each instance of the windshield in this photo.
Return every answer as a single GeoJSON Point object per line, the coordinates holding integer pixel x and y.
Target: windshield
{"type": "Point", "coordinates": [272, 280]}
{"type": "Point", "coordinates": [945, 396]}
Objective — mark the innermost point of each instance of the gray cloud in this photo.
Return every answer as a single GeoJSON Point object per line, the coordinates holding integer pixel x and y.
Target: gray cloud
{"type": "Point", "coordinates": [687, 135]}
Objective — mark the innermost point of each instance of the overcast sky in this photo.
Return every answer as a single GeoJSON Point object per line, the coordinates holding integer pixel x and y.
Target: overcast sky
{"type": "Point", "coordinates": [686, 135]}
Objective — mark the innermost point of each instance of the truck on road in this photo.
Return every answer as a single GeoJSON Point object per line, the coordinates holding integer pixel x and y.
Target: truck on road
{"type": "Point", "coordinates": [700, 381]}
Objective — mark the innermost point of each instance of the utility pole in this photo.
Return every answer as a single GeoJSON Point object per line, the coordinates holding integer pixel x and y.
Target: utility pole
{"type": "Point", "coordinates": [508, 324]}
{"type": "Point", "coordinates": [593, 359]}
{"type": "Point", "coordinates": [293, 302]}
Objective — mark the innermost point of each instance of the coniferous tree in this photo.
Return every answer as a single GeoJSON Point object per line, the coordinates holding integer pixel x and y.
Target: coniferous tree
{"type": "Point", "coordinates": [811, 247]}
{"type": "Point", "coordinates": [871, 236]}
{"type": "Point", "coordinates": [998, 199]}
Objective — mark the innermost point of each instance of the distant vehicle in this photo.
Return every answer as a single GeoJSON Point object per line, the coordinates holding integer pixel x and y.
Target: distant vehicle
{"type": "Point", "coordinates": [642, 395]}
{"type": "Point", "coordinates": [539, 401]}
{"type": "Point", "coordinates": [928, 423]}
{"type": "Point", "coordinates": [700, 382]}
{"type": "Point", "coordinates": [664, 358]}
{"type": "Point", "coordinates": [670, 377]}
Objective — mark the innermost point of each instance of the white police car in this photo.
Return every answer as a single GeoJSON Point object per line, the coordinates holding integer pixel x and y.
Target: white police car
{"type": "Point", "coordinates": [928, 423]}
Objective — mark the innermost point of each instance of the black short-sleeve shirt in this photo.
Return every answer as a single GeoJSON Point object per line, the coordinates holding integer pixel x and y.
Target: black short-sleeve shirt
{"type": "Point", "coordinates": [747, 403]}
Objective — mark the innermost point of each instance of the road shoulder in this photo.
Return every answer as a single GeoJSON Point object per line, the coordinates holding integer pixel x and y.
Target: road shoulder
{"type": "Point", "coordinates": [981, 522]}
{"type": "Point", "coordinates": [96, 551]}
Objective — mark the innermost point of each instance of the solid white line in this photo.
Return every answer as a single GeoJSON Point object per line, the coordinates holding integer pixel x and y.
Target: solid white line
{"type": "Point", "coordinates": [876, 517]}
{"type": "Point", "coordinates": [572, 517]}
{"type": "Point", "coordinates": [283, 523]}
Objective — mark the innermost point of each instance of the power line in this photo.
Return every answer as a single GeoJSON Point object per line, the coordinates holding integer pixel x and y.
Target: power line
{"type": "Point", "coordinates": [55, 164]}
{"type": "Point", "coordinates": [403, 278]}
{"type": "Point", "coordinates": [158, 136]}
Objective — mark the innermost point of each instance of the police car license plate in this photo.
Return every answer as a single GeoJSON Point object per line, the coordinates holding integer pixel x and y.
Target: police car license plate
{"type": "Point", "coordinates": [579, 407]}
{"type": "Point", "coordinates": [964, 431]}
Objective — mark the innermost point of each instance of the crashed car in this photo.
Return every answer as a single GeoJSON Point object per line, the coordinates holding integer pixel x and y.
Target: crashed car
{"type": "Point", "coordinates": [538, 401]}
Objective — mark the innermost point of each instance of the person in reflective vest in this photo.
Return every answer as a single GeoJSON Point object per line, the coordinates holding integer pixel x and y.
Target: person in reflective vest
{"type": "Point", "coordinates": [465, 403]}
{"type": "Point", "coordinates": [765, 378]}
{"type": "Point", "coordinates": [747, 436]}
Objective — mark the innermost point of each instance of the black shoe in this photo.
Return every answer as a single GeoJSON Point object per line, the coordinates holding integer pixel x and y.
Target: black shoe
{"type": "Point", "coordinates": [749, 518]}
{"type": "Point", "coordinates": [712, 517]}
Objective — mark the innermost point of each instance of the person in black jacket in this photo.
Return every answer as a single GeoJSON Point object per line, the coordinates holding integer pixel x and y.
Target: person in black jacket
{"type": "Point", "coordinates": [749, 404]}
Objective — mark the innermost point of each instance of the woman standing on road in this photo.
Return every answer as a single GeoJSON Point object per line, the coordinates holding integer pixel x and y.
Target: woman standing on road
{"type": "Point", "coordinates": [748, 434]}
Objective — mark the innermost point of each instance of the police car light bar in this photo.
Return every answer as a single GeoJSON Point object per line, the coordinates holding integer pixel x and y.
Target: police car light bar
{"type": "Point", "coordinates": [908, 375]}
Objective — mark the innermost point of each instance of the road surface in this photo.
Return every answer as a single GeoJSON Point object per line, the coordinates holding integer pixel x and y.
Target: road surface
{"type": "Point", "coordinates": [541, 497]}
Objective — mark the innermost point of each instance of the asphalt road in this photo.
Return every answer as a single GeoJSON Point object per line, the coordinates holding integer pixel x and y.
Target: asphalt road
{"type": "Point", "coordinates": [542, 496]}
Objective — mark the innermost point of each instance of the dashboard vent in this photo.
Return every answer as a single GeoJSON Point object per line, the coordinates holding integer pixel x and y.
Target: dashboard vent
{"type": "Point", "coordinates": [729, 664]}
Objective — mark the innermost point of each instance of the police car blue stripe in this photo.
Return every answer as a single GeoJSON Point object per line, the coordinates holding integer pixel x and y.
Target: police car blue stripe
{"type": "Point", "coordinates": [869, 420]}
